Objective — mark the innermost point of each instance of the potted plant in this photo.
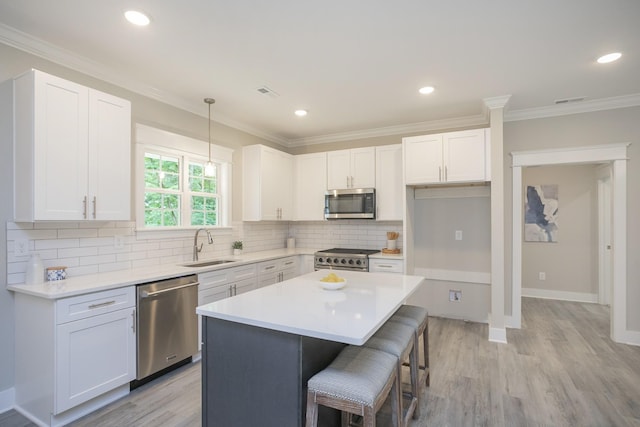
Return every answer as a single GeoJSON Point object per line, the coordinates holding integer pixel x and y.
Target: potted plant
{"type": "Point", "coordinates": [237, 247]}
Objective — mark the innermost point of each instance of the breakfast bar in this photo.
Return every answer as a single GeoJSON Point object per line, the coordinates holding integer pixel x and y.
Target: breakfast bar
{"type": "Point", "coordinates": [260, 348]}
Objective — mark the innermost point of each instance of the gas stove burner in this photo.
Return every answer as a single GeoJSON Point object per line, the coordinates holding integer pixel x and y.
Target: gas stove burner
{"type": "Point", "coordinates": [343, 259]}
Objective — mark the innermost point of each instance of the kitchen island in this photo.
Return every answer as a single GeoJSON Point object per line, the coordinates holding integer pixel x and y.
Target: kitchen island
{"type": "Point", "coordinates": [260, 348]}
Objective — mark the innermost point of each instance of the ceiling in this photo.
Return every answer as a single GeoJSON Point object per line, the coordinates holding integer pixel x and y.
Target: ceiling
{"type": "Point", "coordinates": [355, 65]}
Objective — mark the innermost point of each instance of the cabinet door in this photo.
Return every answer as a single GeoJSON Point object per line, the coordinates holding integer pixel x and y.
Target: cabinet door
{"type": "Point", "coordinates": [284, 189]}
{"type": "Point", "coordinates": [93, 356]}
{"type": "Point", "coordinates": [423, 159]}
{"type": "Point", "coordinates": [245, 285]}
{"type": "Point", "coordinates": [389, 187]}
{"type": "Point", "coordinates": [109, 157]}
{"type": "Point", "coordinates": [267, 279]}
{"type": "Point", "coordinates": [339, 169]}
{"type": "Point", "coordinates": [310, 184]}
{"type": "Point", "coordinates": [60, 126]}
{"type": "Point", "coordinates": [363, 167]}
{"type": "Point", "coordinates": [464, 156]}
{"type": "Point", "coordinates": [275, 181]}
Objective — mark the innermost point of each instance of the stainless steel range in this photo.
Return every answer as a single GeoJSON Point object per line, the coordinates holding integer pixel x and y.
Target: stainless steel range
{"type": "Point", "coordinates": [343, 259]}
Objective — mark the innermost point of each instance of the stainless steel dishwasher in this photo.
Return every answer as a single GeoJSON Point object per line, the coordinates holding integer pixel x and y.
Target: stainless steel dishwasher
{"type": "Point", "coordinates": [167, 323]}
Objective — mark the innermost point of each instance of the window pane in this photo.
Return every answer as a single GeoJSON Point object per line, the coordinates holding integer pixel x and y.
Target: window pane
{"type": "Point", "coordinates": [211, 219]}
{"type": "Point", "coordinates": [153, 200]}
{"type": "Point", "coordinates": [171, 182]}
{"type": "Point", "coordinates": [170, 164]}
{"type": "Point", "coordinates": [197, 203]}
{"type": "Point", "coordinates": [210, 185]}
{"type": "Point", "coordinates": [151, 161]}
{"type": "Point", "coordinates": [151, 179]}
{"type": "Point", "coordinates": [204, 210]}
{"type": "Point", "coordinates": [152, 218]}
{"type": "Point", "coordinates": [195, 184]}
{"type": "Point", "coordinates": [171, 218]}
{"type": "Point", "coordinates": [171, 201]}
{"type": "Point", "coordinates": [197, 218]}
{"type": "Point", "coordinates": [195, 169]}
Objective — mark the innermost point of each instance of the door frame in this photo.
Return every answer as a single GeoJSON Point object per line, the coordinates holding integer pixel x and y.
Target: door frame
{"type": "Point", "coordinates": [605, 258]}
{"type": "Point", "coordinates": [614, 154]}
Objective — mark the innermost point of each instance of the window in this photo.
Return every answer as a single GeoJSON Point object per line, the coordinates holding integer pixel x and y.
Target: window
{"type": "Point", "coordinates": [175, 192]}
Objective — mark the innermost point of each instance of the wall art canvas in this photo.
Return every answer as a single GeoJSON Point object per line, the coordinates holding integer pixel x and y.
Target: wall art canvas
{"type": "Point", "coordinates": [541, 214]}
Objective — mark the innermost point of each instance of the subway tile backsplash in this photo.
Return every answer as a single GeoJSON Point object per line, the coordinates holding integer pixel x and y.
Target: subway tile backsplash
{"type": "Point", "coordinates": [96, 247]}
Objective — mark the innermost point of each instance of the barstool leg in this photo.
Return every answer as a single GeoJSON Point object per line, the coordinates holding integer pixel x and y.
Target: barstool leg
{"type": "Point", "coordinates": [312, 410]}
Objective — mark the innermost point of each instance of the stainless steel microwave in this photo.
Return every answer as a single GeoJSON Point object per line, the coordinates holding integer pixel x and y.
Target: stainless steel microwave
{"type": "Point", "coordinates": [354, 203]}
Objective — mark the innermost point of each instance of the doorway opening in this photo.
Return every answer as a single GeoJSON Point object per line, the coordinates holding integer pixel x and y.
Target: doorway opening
{"type": "Point", "coordinates": [615, 155]}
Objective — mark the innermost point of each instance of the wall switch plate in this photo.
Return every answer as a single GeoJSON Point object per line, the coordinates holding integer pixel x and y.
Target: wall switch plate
{"type": "Point", "coordinates": [455, 295]}
{"type": "Point", "coordinates": [458, 234]}
{"type": "Point", "coordinates": [21, 247]}
{"type": "Point", "coordinates": [542, 276]}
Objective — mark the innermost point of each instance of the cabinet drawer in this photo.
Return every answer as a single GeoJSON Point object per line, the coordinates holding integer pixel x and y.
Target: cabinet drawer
{"type": "Point", "coordinates": [289, 262]}
{"type": "Point", "coordinates": [83, 306]}
{"type": "Point", "coordinates": [214, 279]}
{"type": "Point", "coordinates": [268, 266]}
{"type": "Point", "coordinates": [385, 266]}
{"type": "Point", "coordinates": [244, 272]}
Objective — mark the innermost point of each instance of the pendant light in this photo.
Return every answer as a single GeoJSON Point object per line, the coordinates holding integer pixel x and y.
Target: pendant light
{"type": "Point", "coordinates": [208, 168]}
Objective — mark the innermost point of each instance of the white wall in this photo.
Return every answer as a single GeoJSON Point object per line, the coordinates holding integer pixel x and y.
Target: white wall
{"type": "Point", "coordinates": [571, 264]}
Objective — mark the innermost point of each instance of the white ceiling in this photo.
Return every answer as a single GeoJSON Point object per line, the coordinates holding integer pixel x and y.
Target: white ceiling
{"type": "Point", "coordinates": [355, 65]}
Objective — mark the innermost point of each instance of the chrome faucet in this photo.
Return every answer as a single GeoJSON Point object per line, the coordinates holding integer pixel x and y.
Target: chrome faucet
{"type": "Point", "coordinates": [197, 249]}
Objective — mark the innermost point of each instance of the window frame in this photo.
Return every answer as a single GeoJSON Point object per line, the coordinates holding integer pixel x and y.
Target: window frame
{"type": "Point", "coordinates": [159, 142]}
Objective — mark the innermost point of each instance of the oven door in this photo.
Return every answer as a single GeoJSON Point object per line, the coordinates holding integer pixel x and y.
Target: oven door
{"type": "Point", "coordinates": [350, 204]}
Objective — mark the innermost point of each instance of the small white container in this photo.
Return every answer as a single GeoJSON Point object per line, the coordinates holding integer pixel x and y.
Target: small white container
{"type": "Point", "coordinates": [35, 270]}
{"type": "Point", "coordinates": [391, 244]}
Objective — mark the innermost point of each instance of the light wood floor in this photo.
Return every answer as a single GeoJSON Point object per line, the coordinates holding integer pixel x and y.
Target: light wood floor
{"type": "Point", "coordinates": [560, 369]}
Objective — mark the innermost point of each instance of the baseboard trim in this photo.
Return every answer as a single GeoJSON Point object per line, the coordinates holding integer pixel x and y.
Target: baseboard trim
{"type": "Point", "coordinates": [632, 338]}
{"type": "Point", "coordinates": [7, 399]}
{"type": "Point", "coordinates": [560, 295]}
{"type": "Point", "coordinates": [498, 335]}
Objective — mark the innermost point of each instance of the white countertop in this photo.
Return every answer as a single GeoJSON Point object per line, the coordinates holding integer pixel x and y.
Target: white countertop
{"type": "Point", "coordinates": [117, 279]}
{"type": "Point", "coordinates": [381, 255]}
{"type": "Point", "coordinates": [301, 306]}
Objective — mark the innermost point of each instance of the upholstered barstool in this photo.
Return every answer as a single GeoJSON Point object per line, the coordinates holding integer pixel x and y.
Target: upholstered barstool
{"type": "Point", "coordinates": [399, 340]}
{"type": "Point", "coordinates": [418, 319]}
{"type": "Point", "coordinates": [358, 381]}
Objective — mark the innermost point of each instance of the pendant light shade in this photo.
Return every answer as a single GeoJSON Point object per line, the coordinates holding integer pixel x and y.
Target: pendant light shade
{"type": "Point", "coordinates": [209, 169]}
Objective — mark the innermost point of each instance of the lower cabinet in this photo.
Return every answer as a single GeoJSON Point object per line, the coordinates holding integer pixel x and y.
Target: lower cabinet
{"type": "Point", "coordinates": [277, 270]}
{"type": "Point", "coordinates": [74, 354]}
{"type": "Point", "coordinates": [221, 284]}
{"type": "Point", "coordinates": [379, 265]}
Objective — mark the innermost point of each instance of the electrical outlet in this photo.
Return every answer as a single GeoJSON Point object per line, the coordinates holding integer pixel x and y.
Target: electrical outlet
{"type": "Point", "coordinates": [458, 234]}
{"type": "Point", "coordinates": [118, 242]}
{"type": "Point", "coordinates": [542, 276]}
{"type": "Point", "coordinates": [21, 247]}
{"type": "Point", "coordinates": [455, 295]}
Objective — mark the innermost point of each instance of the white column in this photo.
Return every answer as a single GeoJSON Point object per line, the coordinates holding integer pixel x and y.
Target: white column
{"type": "Point", "coordinates": [497, 327]}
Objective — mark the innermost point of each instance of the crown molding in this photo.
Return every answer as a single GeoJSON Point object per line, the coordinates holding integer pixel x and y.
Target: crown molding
{"type": "Point", "coordinates": [433, 125]}
{"type": "Point", "coordinates": [602, 104]}
{"type": "Point", "coordinates": [38, 47]}
{"type": "Point", "coordinates": [496, 102]}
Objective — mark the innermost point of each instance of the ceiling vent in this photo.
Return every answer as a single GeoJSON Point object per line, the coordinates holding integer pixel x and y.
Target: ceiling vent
{"type": "Point", "coordinates": [265, 90]}
{"type": "Point", "coordinates": [570, 100]}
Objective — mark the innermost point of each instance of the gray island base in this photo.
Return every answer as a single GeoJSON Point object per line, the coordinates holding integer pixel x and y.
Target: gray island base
{"type": "Point", "coordinates": [254, 376]}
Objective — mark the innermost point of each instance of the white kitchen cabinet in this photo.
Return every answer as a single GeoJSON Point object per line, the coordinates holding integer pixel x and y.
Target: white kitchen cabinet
{"type": "Point", "coordinates": [72, 151]}
{"type": "Point", "coordinates": [310, 185]}
{"type": "Point", "coordinates": [355, 168]}
{"type": "Point", "coordinates": [389, 186]}
{"type": "Point", "coordinates": [277, 270]}
{"type": "Point", "coordinates": [454, 157]}
{"type": "Point", "coordinates": [267, 184]}
{"type": "Point", "coordinates": [224, 283]}
{"type": "Point", "coordinates": [306, 264]}
{"type": "Point", "coordinates": [74, 352]}
{"type": "Point", "coordinates": [381, 265]}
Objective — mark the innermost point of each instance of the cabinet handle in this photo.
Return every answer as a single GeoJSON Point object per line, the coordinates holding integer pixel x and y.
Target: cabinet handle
{"type": "Point", "coordinates": [102, 304]}
{"type": "Point", "coordinates": [133, 324]}
{"type": "Point", "coordinates": [271, 267]}
{"type": "Point", "coordinates": [94, 207]}
{"type": "Point", "coordinates": [235, 289]}
{"type": "Point", "coordinates": [445, 173]}
{"type": "Point", "coordinates": [384, 266]}
{"type": "Point", "coordinates": [288, 263]}
{"type": "Point", "coordinates": [347, 181]}
{"type": "Point", "coordinates": [84, 207]}
{"type": "Point", "coordinates": [439, 173]}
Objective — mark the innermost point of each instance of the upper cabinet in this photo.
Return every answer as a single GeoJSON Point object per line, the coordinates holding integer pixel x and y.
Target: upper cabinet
{"type": "Point", "coordinates": [389, 188]}
{"type": "Point", "coordinates": [309, 186]}
{"type": "Point", "coordinates": [453, 157]}
{"type": "Point", "coordinates": [355, 168]}
{"type": "Point", "coordinates": [72, 151]}
{"type": "Point", "coordinates": [267, 188]}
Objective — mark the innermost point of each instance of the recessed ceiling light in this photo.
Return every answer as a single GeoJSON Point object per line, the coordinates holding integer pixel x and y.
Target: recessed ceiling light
{"type": "Point", "coordinates": [426, 90]}
{"type": "Point", "coordinates": [610, 57]}
{"type": "Point", "coordinates": [137, 18]}
{"type": "Point", "coordinates": [301, 113]}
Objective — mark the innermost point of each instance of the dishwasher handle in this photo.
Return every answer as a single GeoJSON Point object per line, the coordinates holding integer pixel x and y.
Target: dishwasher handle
{"type": "Point", "coordinates": [145, 294]}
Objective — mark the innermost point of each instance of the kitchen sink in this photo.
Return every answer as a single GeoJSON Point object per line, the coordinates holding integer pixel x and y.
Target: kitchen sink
{"type": "Point", "coordinates": [208, 263]}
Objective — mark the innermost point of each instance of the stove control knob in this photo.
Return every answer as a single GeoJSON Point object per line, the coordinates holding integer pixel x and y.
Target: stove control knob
{"type": "Point", "coordinates": [328, 260]}
{"type": "Point", "coordinates": [320, 260]}
{"type": "Point", "coordinates": [358, 262]}
{"type": "Point", "coordinates": [335, 260]}
{"type": "Point", "coordinates": [351, 262]}
{"type": "Point", "coordinates": [343, 261]}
